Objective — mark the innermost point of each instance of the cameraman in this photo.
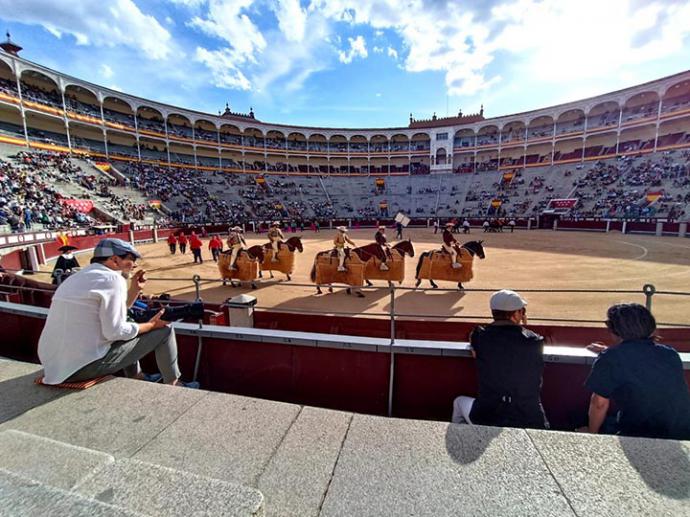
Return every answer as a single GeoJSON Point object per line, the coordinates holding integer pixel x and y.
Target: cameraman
{"type": "Point", "coordinates": [87, 334]}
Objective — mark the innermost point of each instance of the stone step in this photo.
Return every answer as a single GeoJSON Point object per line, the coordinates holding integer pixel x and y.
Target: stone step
{"type": "Point", "coordinates": [27, 497]}
{"type": "Point", "coordinates": [45, 468]}
{"type": "Point", "coordinates": [47, 461]}
{"type": "Point", "coordinates": [155, 490]}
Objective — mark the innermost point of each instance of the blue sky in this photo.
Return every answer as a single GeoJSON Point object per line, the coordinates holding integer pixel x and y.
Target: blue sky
{"type": "Point", "coordinates": [356, 63]}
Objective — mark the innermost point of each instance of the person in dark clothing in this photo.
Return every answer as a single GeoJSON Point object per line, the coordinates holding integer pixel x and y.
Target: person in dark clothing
{"type": "Point", "coordinates": [66, 263]}
{"type": "Point", "coordinates": [398, 230]}
{"type": "Point", "coordinates": [645, 379]}
{"type": "Point", "coordinates": [510, 364]}
{"type": "Point", "coordinates": [380, 238]}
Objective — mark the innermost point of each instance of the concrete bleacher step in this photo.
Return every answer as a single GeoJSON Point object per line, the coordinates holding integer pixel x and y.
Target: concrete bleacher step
{"type": "Point", "coordinates": [39, 474]}
{"type": "Point", "coordinates": [27, 497]}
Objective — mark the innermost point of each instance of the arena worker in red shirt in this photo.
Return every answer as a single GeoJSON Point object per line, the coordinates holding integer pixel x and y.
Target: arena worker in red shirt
{"type": "Point", "coordinates": [172, 243]}
{"type": "Point", "coordinates": [182, 241]}
{"type": "Point", "coordinates": [216, 246]}
{"type": "Point", "coordinates": [195, 245]}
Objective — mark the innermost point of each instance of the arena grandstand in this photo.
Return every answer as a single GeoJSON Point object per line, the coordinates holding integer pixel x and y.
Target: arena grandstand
{"type": "Point", "coordinates": [621, 154]}
{"type": "Point", "coordinates": [304, 379]}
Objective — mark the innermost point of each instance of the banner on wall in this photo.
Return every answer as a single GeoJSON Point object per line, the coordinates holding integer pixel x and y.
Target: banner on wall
{"type": "Point", "coordinates": [380, 182]}
{"type": "Point", "coordinates": [62, 239]}
{"type": "Point", "coordinates": [654, 196]}
{"type": "Point", "coordinates": [80, 205]}
{"type": "Point", "coordinates": [508, 176]}
{"type": "Point", "coordinates": [562, 204]}
{"type": "Point", "coordinates": [260, 180]}
{"type": "Point", "coordinates": [155, 204]}
{"type": "Point", "coordinates": [103, 166]}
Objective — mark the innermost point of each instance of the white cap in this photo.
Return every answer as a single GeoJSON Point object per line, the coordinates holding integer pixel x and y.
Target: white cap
{"type": "Point", "coordinates": [506, 300]}
{"type": "Point", "coordinates": [341, 229]}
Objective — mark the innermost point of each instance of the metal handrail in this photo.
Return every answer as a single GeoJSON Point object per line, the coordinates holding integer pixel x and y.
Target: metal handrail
{"type": "Point", "coordinates": [648, 290]}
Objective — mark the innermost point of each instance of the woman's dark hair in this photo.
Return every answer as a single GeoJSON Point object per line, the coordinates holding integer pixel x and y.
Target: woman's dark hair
{"type": "Point", "coordinates": [630, 321]}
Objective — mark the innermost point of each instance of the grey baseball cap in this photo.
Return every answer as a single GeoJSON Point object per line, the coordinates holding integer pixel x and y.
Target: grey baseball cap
{"type": "Point", "coordinates": [109, 247]}
{"type": "Point", "coordinates": [507, 300]}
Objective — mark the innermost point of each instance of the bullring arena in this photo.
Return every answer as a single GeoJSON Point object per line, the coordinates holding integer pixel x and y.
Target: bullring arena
{"type": "Point", "coordinates": [335, 404]}
{"type": "Point", "coordinates": [523, 260]}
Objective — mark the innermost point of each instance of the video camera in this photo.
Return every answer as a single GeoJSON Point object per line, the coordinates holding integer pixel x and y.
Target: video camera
{"type": "Point", "coordinates": [141, 313]}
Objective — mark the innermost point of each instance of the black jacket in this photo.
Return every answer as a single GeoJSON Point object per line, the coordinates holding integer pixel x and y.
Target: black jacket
{"type": "Point", "coordinates": [510, 364]}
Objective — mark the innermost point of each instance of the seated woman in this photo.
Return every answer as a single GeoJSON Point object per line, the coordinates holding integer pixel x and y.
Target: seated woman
{"type": "Point", "coordinates": [644, 378]}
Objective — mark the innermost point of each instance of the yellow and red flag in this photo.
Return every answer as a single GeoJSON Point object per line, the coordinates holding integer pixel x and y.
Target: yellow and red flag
{"type": "Point", "coordinates": [654, 196]}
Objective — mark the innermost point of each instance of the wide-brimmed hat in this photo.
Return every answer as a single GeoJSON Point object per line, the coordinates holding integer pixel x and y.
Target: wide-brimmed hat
{"type": "Point", "coordinates": [275, 223]}
{"type": "Point", "coordinates": [65, 249]}
{"type": "Point", "coordinates": [450, 224]}
{"type": "Point", "coordinates": [236, 229]}
{"type": "Point", "coordinates": [382, 227]}
{"type": "Point", "coordinates": [341, 229]}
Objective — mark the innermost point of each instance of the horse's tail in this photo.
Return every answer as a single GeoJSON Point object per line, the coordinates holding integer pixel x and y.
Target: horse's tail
{"type": "Point", "coordinates": [419, 264]}
{"type": "Point", "coordinates": [312, 275]}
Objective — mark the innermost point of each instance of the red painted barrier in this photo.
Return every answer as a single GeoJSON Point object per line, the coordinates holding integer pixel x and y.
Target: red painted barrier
{"type": "Point", "coordinates": [346, 379]}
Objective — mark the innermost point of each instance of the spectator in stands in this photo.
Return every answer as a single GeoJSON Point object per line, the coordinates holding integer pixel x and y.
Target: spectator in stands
{"type": "Point", "coordinates": [195, 245]}
{"type": "Point", "coordinates": [509, 365]}
{"type": "Point", "coordinates": [87, 334]}
{"type": "Point", "coordinates": [645, 380]}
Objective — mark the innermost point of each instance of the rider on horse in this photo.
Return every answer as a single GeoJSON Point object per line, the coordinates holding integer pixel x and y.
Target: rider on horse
{"type": "Point", "coordinates": [236, 243]}
{"type": "Point", "coordinates": [339, 242]}
{"type": "Point", "coordinates": [449, 243]}
{"type": "Point", "coordinates": [381, 240]}
{"type": "Point", "coordinates": [276, 237]}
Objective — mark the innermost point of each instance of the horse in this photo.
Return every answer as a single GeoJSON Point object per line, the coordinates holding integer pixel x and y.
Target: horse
{"type": "Point", "coordinates": [286, 260]}
{"type": "Point", "coordinates": [247, 265]}
{"type": "Point", "coordinates": [396, 265]}
{"type": "Point", "coordinates": [437, 264]}
{"type": "Point", "coordinates": [324, 270]}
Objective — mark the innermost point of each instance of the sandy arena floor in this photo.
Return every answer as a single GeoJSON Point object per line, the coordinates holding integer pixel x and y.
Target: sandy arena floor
{"type": "Point", "coordinates": [522, 260]}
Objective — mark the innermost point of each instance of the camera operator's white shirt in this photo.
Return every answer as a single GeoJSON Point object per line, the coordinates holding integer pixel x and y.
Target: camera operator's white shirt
{"type": "Point", "coordinates": [88, 313]}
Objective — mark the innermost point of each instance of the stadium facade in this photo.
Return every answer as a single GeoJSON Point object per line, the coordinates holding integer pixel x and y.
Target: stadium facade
{"type": "Point", "coordinates": [44, 108]}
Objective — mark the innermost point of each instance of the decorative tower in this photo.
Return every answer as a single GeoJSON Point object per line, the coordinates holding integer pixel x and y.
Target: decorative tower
{"type": "Point", "coordinates": [9, 46]}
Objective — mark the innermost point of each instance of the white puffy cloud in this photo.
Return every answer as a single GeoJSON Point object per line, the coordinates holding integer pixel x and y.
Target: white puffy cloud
{"type": "Point", "coordinates": [292, 19]}
{"type": "Point", "coordinates": [358, 48]}
{"type": "Point", "coordinates": [556, 39]}
{"type": "Point", "coordinates": [106, 71]}
{"type": "Point", "coordinates": [392, 53]}
{"type": "Point", "coordinates": [105, 23]}
{"type": "Point", "coordinates": [228, 20]}
{"type": "Point", "coordinates": [223, 66]}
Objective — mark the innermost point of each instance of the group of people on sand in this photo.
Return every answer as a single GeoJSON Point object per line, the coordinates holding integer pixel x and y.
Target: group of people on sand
{"type": "Point", "coordinates": [644, 379]}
